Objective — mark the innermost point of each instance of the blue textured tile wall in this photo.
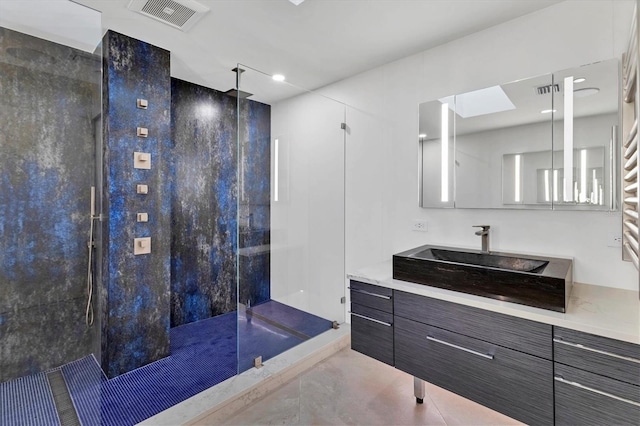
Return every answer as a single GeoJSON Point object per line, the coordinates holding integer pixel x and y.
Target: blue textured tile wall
{"type": "Point", "coordinates": [49, 95]}
{"type": "Point", "coordinates": [136, 289]}
{"type": "Point", "coordinates": [205, 202]}
{"type": "Point", "coordinates": [254, 205]}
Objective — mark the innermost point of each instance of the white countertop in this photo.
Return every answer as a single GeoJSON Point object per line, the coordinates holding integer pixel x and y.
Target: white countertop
{"type": "Point", "coordinates": [603, 311]}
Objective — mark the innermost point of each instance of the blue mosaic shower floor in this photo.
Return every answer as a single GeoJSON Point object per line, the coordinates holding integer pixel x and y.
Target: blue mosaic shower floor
{"type": "Point", "coordinates": [203, 354]}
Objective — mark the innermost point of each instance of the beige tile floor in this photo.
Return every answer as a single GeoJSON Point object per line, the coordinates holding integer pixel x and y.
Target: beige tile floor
{"type": "Point", "coordinates": [352, 389]}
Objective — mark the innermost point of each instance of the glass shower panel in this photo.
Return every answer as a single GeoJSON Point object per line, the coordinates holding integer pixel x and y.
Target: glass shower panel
{"type": "Point", "coordinates": [290, 215]}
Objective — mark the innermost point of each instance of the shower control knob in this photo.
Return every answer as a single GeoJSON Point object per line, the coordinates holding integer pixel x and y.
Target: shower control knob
{"type": "Point", "coordinates": [142, 160]}
{"type": "Point", "coordinates": [142, 245]}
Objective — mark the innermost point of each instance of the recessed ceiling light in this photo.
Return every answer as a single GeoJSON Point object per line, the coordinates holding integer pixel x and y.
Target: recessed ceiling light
{"type": "Point", "coordinates": [422, 135]}
{"type": "Point", "coordinates": [547, 111]}
{"type": "Point", "coordinates": [580, 80]}
{"type": "Point", "coordinates": [278, 77]}
{"type": "Point", "coordinates": [296, 2]}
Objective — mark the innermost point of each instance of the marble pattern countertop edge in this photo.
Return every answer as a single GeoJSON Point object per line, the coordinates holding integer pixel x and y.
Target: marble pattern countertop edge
{"type": "Point", "coordinates": [603, 311]}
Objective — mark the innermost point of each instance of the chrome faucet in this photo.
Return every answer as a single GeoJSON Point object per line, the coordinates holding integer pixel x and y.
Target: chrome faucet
{"type": "Point", "coordinates": [484, 233]}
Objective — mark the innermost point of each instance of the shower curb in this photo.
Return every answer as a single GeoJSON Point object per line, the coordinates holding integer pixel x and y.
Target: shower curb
{"type": "Point", "coordinates": [219, 402]}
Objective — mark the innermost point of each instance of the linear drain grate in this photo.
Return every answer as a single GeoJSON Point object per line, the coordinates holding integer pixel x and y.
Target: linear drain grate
{"type": "Point", "coordinates": [276, 324]}
{"type": "Point", "coordinates": [64, 406]}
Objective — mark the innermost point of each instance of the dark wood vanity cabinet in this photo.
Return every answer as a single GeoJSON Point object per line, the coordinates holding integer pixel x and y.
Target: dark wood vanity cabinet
{"type": "Point", "coordinates": [597, 380]}
{"type": "Point", "coordinates": [499, 361]}
{"type": "Point", "coordinates": [533, 372]}
{"type": "Point", "coordinates": [372, 321]}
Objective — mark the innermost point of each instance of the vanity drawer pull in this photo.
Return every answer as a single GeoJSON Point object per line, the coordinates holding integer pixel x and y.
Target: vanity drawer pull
{"type": "Point", "coordinates": [586, 348]}
{"type": "Point", "coordinates": [371, 319]}
{"type": "Point", "coordinates": [471, 351]}
{"type": "Point", "coordinates": [599, 392]}
{"type": "Point", "coordinates": [368, 293]}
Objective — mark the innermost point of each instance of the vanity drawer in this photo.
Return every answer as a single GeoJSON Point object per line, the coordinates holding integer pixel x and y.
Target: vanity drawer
{"type": "Point", "coordinates": [584, 398]}
{"type": "Point", "coordinates": [515, 333]}
{"type": "Point", "coordinates": [514, 383]}
{"type": "Point", "coordinates": [372, 333]}
{"type": "Point", "coordinates": [372, 295]}
{"type": "Point", "coordinates": [600, 355]}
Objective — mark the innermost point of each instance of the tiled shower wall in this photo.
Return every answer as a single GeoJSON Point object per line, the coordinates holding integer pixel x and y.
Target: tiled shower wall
{"type": "Point", "coordinates": [49, 108]}
{"type": "Point", "coordinates": [205, 202]}
{"type": "Point", "coordinates": [136, 288]}
{"type": "Point", "coordinates": [49, 98]}
{"type": "Point", "coordinates": [254, 254]}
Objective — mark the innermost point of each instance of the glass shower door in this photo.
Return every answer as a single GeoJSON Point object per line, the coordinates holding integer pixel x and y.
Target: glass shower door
{"type": "Point", "coordinates": [290, 215]}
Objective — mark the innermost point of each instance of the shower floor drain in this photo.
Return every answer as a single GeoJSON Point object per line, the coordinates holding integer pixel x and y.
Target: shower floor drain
{"type": "Point", "coordinates": [64, 406]}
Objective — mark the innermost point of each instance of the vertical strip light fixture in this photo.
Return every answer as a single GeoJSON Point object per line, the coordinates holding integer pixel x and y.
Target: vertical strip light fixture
{"type": "Point", "coordinates": [444, 154]}
{"type": "Point", "coordinates": [555, 184]}
{"type": "Point", "coordinates": [275, 172]}
{"type": "Point", "coordinates": [568, 139]}
{"type": "Point", "coordinates": [547, 196]}
{"type": "Point", "coordinates": [518, 160]}
{"type": "Point", "coordinates": [583, 176]}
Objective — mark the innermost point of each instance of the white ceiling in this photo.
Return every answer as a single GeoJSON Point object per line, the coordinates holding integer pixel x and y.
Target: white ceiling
{"type": "Point", "coordinates": [313, 44]}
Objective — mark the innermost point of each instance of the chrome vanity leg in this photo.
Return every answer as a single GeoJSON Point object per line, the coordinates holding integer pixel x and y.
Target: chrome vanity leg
{"type": "Point", "coordinates": [418, 390]}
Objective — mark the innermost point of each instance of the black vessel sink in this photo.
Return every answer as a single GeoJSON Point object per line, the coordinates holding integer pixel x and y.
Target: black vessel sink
{"type": "Point", "coordinates": [489, 260]}
{"type": "Point", "coordinates": [541, 282]}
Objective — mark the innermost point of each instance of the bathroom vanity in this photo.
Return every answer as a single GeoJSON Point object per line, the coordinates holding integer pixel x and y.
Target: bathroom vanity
{"type": "Point", "coordinates": [535, 365]}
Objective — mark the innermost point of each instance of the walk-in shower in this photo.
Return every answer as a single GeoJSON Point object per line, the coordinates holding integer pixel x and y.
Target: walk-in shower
{"type": "Point", "coordinates": [243, 203]}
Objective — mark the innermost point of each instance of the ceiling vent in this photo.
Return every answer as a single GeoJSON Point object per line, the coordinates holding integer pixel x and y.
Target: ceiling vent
{"type": "Point", "coordinates": [180, 14]}
{"type": "Point", "coordinates": [543, 90]}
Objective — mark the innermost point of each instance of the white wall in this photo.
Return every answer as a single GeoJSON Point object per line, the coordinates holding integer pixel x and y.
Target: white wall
{"type": "Point", "coordinates": [382, 151]}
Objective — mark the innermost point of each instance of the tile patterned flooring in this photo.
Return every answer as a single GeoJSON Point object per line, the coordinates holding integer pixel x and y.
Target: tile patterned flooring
{"type": "Point", "coordinates": [352, 389]}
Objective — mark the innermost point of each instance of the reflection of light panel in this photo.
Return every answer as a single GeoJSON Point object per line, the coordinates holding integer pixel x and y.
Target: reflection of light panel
{"type": "Point", "coordinates": [480, 102]}
{"type": "Point", "coordinates": [444, 154]}
{"type": "Point", "coordinates": [275, 177]}
{"type": "Point", "coordinates": [594, 188]}
{"type": "Point", "coordinates": [555, 185]}
{"type": "Point", "coordinates": [546, 185]}
{"type": "Point", "coordinates": [583, 175]}
{"type": "Point", "coordinates": [568, 139]}
{"type": "Point", "coordinates": [517, 178]}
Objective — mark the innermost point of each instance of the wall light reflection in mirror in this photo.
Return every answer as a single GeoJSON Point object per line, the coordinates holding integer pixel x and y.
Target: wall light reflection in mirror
{"type": "Point", "coordinates": [444, 155]}
{"type": "Point", "coordinates": [583, 175]}
{"type": "Point", "coordinates": [547, 196]}
{"type": "Point", "coordinates": [568, 139]}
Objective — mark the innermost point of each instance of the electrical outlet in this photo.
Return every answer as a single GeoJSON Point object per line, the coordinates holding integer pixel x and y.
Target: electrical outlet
{"type": "Point", "coordinates": [419, 225]}
{"type": "Point", "coordinates": [615, 240]}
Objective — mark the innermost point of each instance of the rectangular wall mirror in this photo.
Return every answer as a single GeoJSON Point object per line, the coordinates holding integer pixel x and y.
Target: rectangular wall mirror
{"type": "Point", "coordinates": [504, 146]}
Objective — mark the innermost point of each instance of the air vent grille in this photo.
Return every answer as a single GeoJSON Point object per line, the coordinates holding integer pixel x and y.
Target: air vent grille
{"type": "Point", "coordinates": [180, 14]}
{"type": "Point", "coordinates": [544, 90]}
{"type": "Point", "coordinates": [169, 11]}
